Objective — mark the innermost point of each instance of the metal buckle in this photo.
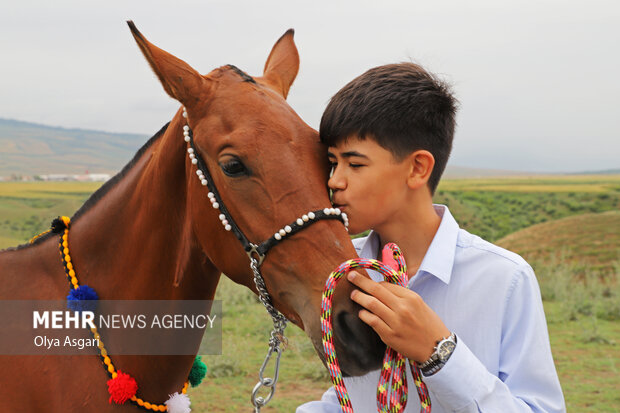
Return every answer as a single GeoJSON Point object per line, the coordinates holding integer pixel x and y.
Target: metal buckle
{"type": "Point", "coordinates": [253, 254]}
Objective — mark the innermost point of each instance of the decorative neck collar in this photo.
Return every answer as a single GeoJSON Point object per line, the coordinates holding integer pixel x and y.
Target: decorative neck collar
{"type": "Point", "coordinates": [121, 386]}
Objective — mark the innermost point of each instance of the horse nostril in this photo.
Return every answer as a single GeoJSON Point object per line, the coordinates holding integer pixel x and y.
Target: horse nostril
{"type": "Point", "coordinates": [350, 328]}
{"type": "Point", "coordinates": [363, 349]}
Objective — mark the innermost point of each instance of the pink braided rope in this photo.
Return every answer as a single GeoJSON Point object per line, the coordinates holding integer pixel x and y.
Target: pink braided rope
{"type": "Point", "coordinates": [393, 362]}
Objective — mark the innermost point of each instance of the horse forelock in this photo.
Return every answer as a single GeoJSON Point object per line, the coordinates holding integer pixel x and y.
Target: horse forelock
{"type": "Point", "coordinates": [104, 189]}
{"type": "Point", "coordinates": [241, 73]}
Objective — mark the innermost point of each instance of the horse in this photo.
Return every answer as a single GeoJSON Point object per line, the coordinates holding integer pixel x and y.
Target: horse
{"type": "Point", "coordinates": [154, 232]}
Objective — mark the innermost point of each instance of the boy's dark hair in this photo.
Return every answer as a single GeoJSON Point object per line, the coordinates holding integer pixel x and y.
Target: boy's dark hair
{"type": "Point", "coordinates": [402, 107]}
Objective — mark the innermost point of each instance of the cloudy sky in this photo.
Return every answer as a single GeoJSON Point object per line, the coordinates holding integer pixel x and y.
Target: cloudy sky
{"type": "Point", "coordinates": [538, 81]}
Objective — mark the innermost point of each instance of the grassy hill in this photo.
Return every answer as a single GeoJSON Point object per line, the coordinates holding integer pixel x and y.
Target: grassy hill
{"type": "Point", "coordinates": [576, 216]}
{"type": "Point", "coordinates": [33, 149]}
{"type": "Point", "coordinates": [27, 208]}
{"type": "Point", "coordinates": [496, 207]}
{"type": "Point", "coordinates": [592, 240]}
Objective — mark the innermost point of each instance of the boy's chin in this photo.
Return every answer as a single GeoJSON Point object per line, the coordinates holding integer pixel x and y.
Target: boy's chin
{"type": "Point", "coordinates": [353, 230]}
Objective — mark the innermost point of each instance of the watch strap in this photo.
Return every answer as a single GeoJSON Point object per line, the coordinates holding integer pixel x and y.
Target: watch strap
{"type": "Point", "coordinates": [435, 362]}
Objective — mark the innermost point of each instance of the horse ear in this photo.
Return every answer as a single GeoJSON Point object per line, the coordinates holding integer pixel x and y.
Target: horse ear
{"type": "Point", "coordinates": [282, 64]}
{"type": "Point", "coordinates": [178, 78]}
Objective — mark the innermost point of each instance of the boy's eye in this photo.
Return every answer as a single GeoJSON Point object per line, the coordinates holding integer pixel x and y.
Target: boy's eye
{"type": "Point", "coordinates": [355, 165]}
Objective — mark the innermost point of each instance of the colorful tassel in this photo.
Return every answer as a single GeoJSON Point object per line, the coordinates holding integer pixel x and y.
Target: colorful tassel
{"type": "Point", "coordinates": [60, 224]}
{"type": "Point", "coordinates": [198, 372]}
{"type": "Point", "coordinates": [82, 298]}
{"type": "Point", "coordinates": [122, 388]}
{"type": "Point", "coordinates": [178, 403]}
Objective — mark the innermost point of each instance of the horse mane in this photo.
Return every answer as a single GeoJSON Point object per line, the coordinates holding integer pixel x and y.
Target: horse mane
{"type": "Point", "coordinates": [103, 190]}
{"type": "Point", "coordinates": [244, 76]}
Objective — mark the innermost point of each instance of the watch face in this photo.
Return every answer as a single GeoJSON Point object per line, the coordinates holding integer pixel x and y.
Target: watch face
{"type": "Point", "coordinates": [445, 349]}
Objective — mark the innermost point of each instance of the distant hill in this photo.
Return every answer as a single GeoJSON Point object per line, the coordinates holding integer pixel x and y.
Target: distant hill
{"type": "Point", "coordinates": [29, 149]}
{"type": "Point", "coordinates": [32, 149]}
{"type": "Point", "coordinates": [592, 239]}
{"type": "Point", "coordinates": [603, 172]}
{"type": "Point", "coordinates": [457, 172]}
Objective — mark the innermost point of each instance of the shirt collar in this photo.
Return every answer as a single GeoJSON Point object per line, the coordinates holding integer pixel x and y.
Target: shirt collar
{"type": "Point", "coordinates": [439, 257]}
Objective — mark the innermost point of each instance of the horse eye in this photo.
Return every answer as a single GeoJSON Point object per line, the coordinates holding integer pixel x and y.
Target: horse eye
{"type": "Point", "coordinates": [234, 168]}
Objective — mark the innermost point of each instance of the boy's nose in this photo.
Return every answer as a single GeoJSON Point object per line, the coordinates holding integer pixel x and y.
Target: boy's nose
{"type": "Point", "coordinates": [336, 180]}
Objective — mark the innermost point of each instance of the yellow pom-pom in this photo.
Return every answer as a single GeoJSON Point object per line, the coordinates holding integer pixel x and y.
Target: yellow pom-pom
{"type": "Point", "coordinates": [111, 368]}
{"type": "Point", "coordinates": [69, 266]}
{"type": "Point", "coordinates": [147, 405]}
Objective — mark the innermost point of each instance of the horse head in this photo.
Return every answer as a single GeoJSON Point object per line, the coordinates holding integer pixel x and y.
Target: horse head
{"type": "Point", "coordinates": [270, 170]}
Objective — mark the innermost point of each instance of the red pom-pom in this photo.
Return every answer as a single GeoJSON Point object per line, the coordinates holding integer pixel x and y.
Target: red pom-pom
{"type": "Point", "coordinates": [122, 388]}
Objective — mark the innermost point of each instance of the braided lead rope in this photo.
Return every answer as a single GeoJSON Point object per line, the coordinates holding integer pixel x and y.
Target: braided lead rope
{"type": "Point", "coordinates": [393, 362]}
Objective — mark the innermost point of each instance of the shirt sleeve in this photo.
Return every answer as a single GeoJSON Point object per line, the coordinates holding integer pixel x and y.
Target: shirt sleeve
{"type": "Point", "coordinates": [328, 404]}
{"type": "Point", "coordinates": [527, 379]}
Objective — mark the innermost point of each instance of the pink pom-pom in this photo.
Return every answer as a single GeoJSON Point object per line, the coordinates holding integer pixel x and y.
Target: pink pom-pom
{"type": "Point", "coordinates": [122, 388]}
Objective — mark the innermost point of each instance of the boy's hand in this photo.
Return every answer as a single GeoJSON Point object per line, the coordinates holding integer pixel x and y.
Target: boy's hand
{"type": "Point", "coordinates": [400, 317]}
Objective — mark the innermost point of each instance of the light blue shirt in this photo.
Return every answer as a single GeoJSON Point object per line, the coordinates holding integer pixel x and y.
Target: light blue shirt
{"type": "Point", "coordinates": [490, 298]}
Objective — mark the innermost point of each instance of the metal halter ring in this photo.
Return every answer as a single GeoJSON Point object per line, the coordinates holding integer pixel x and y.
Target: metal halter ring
{"type": "Point", "coordinates": [254, 254]}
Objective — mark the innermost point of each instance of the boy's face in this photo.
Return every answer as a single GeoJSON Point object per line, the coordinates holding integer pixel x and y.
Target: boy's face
{"type": "Point", "coordinates": [367, 183]}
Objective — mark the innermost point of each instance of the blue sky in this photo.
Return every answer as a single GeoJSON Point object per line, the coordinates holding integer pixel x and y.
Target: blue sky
{"type": "Point", "coordinates": [537, 80]}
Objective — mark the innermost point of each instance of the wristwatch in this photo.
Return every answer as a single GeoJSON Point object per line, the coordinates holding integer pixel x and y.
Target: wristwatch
{"type": "Point", "coordinates": [443, 350]}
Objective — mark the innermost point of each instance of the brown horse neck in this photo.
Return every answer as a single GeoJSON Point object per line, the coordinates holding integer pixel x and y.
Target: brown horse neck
{"type": "Point", "coordinates": [136, 242]}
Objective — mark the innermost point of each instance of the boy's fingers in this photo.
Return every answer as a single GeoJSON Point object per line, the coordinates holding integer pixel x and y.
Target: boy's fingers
{"type": "Point", "coordinates": [397, 290]}
{"type": "Point", "coordinates": [382, 290]}
{"type": "Point", "coordinates": [366, 284]}
{"type": "Point", "coordinates": [373, 305]}
{"type": "Point", "coordinates": [375, 322]}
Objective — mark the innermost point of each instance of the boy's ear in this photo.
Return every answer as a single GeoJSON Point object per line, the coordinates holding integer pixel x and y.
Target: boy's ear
{"type": "Point", "coordinates": [421, 164]}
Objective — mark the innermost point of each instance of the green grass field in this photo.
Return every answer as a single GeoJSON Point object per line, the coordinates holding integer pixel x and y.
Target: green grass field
{"type": "Point", "coordinates": [536, 217]}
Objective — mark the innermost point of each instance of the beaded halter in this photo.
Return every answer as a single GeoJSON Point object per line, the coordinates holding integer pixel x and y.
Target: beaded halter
{"type": "Point", "coordinates": [256, 254]}
{"type": "Point", "coordinates": [257, 250]}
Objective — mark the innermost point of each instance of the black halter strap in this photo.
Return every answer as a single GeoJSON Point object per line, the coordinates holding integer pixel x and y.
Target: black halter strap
{"type": "Point", "coordinates": [253, 250]}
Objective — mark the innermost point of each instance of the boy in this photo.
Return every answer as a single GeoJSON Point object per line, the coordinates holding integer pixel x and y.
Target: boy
{"type": "Point", "coordinates": [472, 316]}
